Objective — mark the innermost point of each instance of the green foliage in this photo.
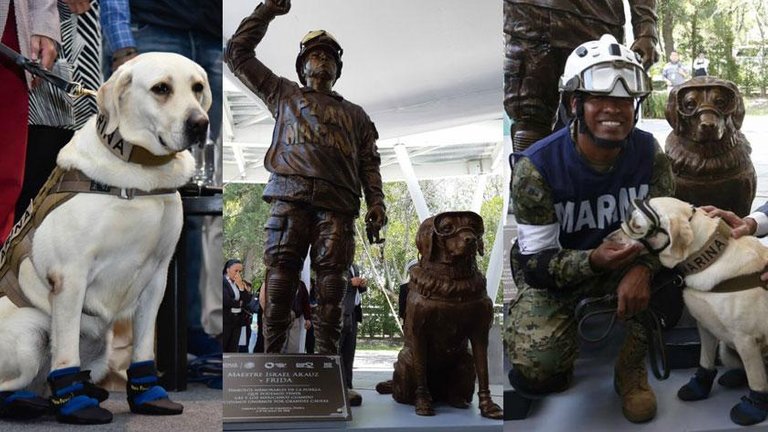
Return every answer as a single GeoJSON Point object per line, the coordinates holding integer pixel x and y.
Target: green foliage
{"type": "Point", "coordinates": [382, 265]}
{"type": "Point", "coordinates": [655, 104]}
{"type": "Point", "coordinates": [244, 216]}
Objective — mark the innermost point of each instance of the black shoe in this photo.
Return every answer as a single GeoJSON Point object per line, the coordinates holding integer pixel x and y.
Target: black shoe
{"type": "Point", "coordinates": [71, 391]}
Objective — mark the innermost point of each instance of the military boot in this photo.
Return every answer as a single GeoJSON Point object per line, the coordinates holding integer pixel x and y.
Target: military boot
{"type": "Point", "coordinates": [630, 379]}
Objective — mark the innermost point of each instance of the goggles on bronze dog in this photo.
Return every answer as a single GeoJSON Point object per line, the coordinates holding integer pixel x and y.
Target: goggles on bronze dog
{"type": "Point", "coordinates": [723, 106]}
{"type": "Point", "coordinates": [452, 229]}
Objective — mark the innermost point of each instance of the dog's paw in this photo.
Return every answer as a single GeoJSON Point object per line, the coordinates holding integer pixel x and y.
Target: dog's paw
{"type": "Point", "coordinates": [385, 387]}
{"type": "Point", "coordinates": [71, 402]}
{"type": "Point", "coordinates": [22, 405]}
{"type": "Point", "coordinates": [751, 410]}
{"type": "Point", "coordinates": [699, 386]}
{"type": "Point", "coordinates": [144, 395]}
{"type": "Point", "coordinates": [733, 378]}
{"type": "Point", "coordinates": [424, 405]}
{"type": "Point", "coordinates": [491, 410]}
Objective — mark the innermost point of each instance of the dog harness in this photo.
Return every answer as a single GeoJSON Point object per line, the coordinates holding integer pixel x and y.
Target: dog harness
{"type": "Point", "coordinates": [702, 258]}
{"type": "Point", "coordinates": [60, 187]}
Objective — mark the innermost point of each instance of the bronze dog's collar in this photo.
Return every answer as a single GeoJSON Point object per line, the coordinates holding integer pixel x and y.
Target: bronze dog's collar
{"type": "Point", "coordinates": [127, 151]}
{"type": "Point", "coordinates": [461, 287]}
{"type": "Point", "coordinates": [709, 253]}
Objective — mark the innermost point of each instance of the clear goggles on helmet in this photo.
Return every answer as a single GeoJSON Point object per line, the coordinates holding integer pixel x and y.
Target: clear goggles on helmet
{"type": "Point", "coordinates": [602, 78]}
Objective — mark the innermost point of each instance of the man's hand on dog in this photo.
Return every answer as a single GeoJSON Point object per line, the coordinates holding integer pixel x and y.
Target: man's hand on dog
{"type": "Point", "coordinates": [634, 291]}
{"type": "Point", "coordinates": [612, 255]}
{"type": "Point", "coordinates": [739, 226]}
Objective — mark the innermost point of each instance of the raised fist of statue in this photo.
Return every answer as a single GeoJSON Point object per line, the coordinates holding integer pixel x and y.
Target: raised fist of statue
{"type": "Point", "coordinates": [646, 47]}
{"type": "Point", "coordinates": [375, 219]}
{"type": "Point", "coordinates": [279, 7]}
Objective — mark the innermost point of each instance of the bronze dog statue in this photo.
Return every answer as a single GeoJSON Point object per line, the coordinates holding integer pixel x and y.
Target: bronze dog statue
{"type": "Point", "coordinates": [447, 307]}
{"type": "Point", "coordinates": [709, 154]}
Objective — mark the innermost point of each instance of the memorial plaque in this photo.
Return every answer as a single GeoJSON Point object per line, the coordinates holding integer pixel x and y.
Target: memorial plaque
{"type": "Point", "coordinates": [264, 391]}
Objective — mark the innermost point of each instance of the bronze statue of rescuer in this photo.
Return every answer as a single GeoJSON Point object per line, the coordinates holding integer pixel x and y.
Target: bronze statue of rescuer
{"type": "Point", "coordinates": [540, 34]}
{"type": "Point", "coordinates": [323, 152]}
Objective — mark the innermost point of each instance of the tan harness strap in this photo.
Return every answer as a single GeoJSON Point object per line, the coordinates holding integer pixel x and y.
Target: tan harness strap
{"type": "Point", "coordinates": [76, 181]}
{"type": "Point", "coordinates": [58, 189]}
{"type": "Point", "coordinates": [709, 253]}
{"type": "Point", "coordinates": [740, 283]}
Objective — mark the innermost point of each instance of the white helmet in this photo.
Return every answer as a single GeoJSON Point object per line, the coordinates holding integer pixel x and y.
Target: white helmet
{"type": "Point", "coordinates": [596, 67]}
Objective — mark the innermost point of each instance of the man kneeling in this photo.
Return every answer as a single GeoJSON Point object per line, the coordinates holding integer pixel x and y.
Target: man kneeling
{"type": "Point", "coordinates": [569, 191]}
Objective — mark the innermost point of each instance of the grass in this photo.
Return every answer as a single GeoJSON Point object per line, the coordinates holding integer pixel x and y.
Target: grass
{"type": "Point", "coordinates": [756, 106]}
{"type": "Point", "coordinates": [379, 344]}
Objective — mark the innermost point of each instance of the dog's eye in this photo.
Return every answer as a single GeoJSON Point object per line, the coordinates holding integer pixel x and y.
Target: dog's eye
{"type": "Point", "coordinates": [720, 102]}
{"type": "Point", "coordinates": [197, 87]}
{"type": "Point", "coordinates": [161, 89]}
{"type": "Point", "coordinates": [690, 105]}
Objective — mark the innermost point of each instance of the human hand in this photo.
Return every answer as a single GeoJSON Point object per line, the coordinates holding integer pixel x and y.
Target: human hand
{"type": "Point", "coordinates": [307, 324]}
{"type": "Point", "coordinates": [739, 226]}
{"type": "Point", "coordinates": [43, 50]}
{"type": "Point", "coordinates": [646, 47]}
{"type": "Point", "coordinates": [122, 55]}
{"type": "Point", "coordinates": [358, 281]}
{"type": "Point", "coordinates": [375, 219]}
{"type": "Point", "coordinates": [279, 7]}
{"type": "Point", "coordinates": [612, 255]}
{"type": "Point", "coordinates": [78, 6]}
{"type": "Point", "coordinates": [634, 291]}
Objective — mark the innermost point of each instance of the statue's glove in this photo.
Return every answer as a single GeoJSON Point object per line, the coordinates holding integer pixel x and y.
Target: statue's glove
{"type": "Point", "coordinates": [375, 219]}
{"type": "Point", "coordinates": [646, 47]}
{"type": "Point", "coordinates": [278, 7]}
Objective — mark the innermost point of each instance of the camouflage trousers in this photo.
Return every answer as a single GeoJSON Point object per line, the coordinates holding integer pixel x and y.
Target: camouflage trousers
{"type": "Point", "coordinates": [541, 331]}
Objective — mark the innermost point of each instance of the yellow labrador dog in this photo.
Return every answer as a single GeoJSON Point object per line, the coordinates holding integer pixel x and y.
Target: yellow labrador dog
{"type": "Point", "coordinates": [95, 245]}
{"type": "Point", "coordinates": [723, 292]}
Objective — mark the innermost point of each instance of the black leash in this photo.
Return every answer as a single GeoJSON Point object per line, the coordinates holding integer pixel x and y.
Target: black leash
{"type": "Point", "coordinates": [73, 89]}
{"type": "Point", "coordinates": [652, 320]}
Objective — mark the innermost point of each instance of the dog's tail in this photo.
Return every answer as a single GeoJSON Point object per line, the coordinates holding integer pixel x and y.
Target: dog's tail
{"type": "Point", "coordinates": [385, 387]}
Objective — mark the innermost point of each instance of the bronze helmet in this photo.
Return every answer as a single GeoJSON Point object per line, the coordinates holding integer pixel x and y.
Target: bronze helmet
{"type": "Point", "coordinates": [312, 40]}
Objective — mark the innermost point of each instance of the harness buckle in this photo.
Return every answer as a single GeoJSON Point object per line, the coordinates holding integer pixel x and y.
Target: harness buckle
{"type": "Point", "coordinates": [127, 193]}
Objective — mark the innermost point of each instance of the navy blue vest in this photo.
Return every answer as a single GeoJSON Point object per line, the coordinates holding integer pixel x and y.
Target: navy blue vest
{"type": "Point", "coordinates": [590, 204]}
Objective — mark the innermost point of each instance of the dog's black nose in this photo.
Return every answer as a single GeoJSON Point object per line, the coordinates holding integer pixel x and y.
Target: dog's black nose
{"type": "Point", "coordinates": [196, 128]}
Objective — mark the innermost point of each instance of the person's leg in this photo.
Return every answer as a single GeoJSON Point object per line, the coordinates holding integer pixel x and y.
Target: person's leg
{"type": "Point", "coordinates": [345, 351]}
{"type": "Point", "coordinates": [13, 122]}
{"type": "Point", "coordinates": [43, 145]}
{"type": "Point", "coordinates": [287, 234]}
{"type": "Point", "coordinates": [333, 248]}
{"type": "Point", "coordinates": [541, 342]}
{"type": "Point", "coordinates": [208, 54]}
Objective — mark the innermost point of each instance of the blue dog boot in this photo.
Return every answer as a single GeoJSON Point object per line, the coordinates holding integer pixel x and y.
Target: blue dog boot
{"type": "Point", "coordinates": [22, 405]}
{"type": "Point", "coordinates": [733, 378]}
{"type": "Point", "coordinates": [751, 410]}
{"type": "Point", "coordinates": [71, 400]}
{"type": "Point", "coordinates": [699, 386]}
{"type": "Point", "coordinates": [144, 395]}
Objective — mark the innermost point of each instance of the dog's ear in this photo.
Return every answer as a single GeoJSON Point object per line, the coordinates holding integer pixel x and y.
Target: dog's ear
{"type": "Point", "coordinates": [480, 245]}
{"type": "Point", "coordinates": [207, 98]}
{"type": "Point", "coordinates": [424, 238]}
{"type": "Point", "coordinates": [737, 118]}
{"type": "Point", "coordinates": [108, 97]}
{"type": "Point", "coordinates": [671, 111]}
{"type": "Point", "coordinates": [680, 237]}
